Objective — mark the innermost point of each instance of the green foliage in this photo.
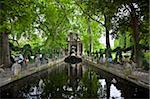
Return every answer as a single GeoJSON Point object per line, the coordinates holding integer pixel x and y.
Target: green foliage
{"type": "Point", "coordinates": [45, 24]}
{"type": "Point", "coordinates": [33, 19]}
{"type": "Point", "coordinates": [90, 83]}
{"type": "Point", "coordinates": [27, 51]}
{"type": "Point", "coordinates": [146, 61]}
{"type": "Point", "coordinates": [120, 40]}
{"type": "Point", "coordinates": [12, 47]}
{"type": "Point", "coordinates": [95, 35]}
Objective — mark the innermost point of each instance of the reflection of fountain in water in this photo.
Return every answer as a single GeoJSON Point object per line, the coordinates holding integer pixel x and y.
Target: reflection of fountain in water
{"type": "Point", "coordinates": [74, 72]}
{"type": "Point", "coordinates": [73, 89]}
{"type": "Point", "coordinates": [117, 88]}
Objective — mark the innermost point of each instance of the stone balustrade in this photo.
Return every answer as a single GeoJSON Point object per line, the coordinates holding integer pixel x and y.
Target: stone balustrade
{"type": "Point", "coordinates": [8, 77]}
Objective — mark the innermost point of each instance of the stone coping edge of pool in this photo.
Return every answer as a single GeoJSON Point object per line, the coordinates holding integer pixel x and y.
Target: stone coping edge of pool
{"type": "Point", "coordinates": [123, 75]}
{"type": "Point", "coordinates": [29, 72]}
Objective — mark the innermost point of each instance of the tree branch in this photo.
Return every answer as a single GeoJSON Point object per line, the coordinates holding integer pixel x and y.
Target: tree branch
{"type": "Point", "coordinates": [125, 5]}
{"type": "Point", "coordinates": [89, 15]}
{"type": "Point", "coordinates": [41, 22]}
{"type": "Point", "coordinates": [14, 40]}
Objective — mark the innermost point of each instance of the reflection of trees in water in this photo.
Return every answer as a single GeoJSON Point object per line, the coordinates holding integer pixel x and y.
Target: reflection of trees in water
{"type": "Point", "coordinates": [54, 84]}
{"type": "Point", "coordinates": [127, 88]}
{"type": "Point", "coordinates": [90, 84]}
{"type": "Point", "coordinates": [70, 81]}
{"type": "Point", "coordinates": [70, 84]}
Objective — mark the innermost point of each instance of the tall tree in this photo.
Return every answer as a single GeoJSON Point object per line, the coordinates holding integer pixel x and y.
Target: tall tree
{"type": "Point", "coordinates": [28, 18]}
{"type": "Point", "coordinates": [13, 12]}
{"type": "Point", "coordinates": [90, 35]}
{"type": "Point", "coordinates": [133, 15]}
{"type": "Point", "coordinates": [101, 12]}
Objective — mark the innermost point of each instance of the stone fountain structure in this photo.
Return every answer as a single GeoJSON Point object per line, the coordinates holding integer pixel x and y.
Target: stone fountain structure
{"type": "Point", "coordinates": [75, 49]}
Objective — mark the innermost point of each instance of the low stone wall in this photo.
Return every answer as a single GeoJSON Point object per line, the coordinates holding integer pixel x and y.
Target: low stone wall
{"type": "Point", "coordinates": [6, 79]}
{"type": "Point", "coordinates": [123, 73]}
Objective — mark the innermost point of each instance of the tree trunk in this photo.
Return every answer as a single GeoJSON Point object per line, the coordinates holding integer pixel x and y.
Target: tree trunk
{"type": "Point", "coordinates": [5, 50]}
{"type": "Point", "coordinates": [135, 28]}
{"type": "Point", "coordinates": [90, 35]}
{"type": "Point", "coordinates": [107, 32]}
{"type": "Point", "coordinates": [125, 38]}
{"type": "Point", "coordinates": [1, 49]}
{"type": "Point", "coordinates": [107, 38]}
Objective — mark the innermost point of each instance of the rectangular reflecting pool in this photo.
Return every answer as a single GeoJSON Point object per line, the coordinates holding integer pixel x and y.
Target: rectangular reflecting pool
{"type": "Point", "coordinates": [78, 81]}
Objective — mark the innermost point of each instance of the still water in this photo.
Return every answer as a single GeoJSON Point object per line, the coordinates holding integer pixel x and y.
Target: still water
{"type": "Point", "coordinates": [73, 82]}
